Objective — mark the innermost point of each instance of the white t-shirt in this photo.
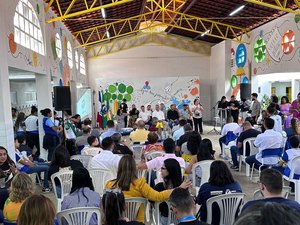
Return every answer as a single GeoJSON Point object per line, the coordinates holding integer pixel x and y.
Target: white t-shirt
{"type": "Point", "coordinates": [268, 139]}
{"type": "Point", "coordinates": [278, 123]}
{"type": "Point", "coordinates": [106, 160]}
{"type": "Point", "coordinates": [159, 115]}
{"type": "Point", "coordinates": [31, 123]}
{"type": "Point", "coordinates": [234, 127]}
{"type": "Point", "coordinates": [289, 155]}
{"type": "Point", "coordinates": [144, 116]}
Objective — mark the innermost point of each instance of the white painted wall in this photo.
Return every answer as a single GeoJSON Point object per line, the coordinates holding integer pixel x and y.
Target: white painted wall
{"type": "Point", "coordinates": [20, 87]}
{"type": "Point", "coordinates": [281, 87]}
{"type": "Point", "coordinates": [220, 71]}
{"type": "Point", "coordinates": [153, 61]}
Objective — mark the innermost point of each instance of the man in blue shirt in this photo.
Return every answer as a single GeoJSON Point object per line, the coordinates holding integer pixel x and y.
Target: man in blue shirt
{"type": "Point", "coordinates": [270, 185]}
{"type": "Point", "coordinates": [110, 130]}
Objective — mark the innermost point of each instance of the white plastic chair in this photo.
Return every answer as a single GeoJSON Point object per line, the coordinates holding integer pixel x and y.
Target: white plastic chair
{"type": "Point", "coordinates": [253, 151]}
{"type": "Point", "coordinates": [65, 180]}
{"type": "Point", "coordinates": [133, 206]}
{"type": "Point", "coordinates": [141, 173]}
{"type": "Point", "coordinates": [229, 205]}
{"type": "Point", "coordinates": [295, 162]}
{"type": "Point", "coordinates": [285, 193]}
{"type": "Point", "coordinates": [100, 178]}
{"type": "Point", "coordinates": [205, 171]}
{"type": "Point", "coordinates": [84, 159]}
{"type": "Point", "coordinates": [153, 154]}
{"type": "Point", "coordinates": [156, 214]}
{"type": "Point", "coordinates": [137, 151]}
{"type": "Point", "coordinates": [78, 216]}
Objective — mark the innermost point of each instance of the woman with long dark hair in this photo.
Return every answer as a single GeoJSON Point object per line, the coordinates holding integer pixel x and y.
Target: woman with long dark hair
{"type": "Point", "coordinates": [132, 186]}
{"type": "Point", "coordinates": [8, 170]}
{"type": "Point", "coordinates": [285, 110]}
{"type": "Point", "coordinates": [113, 204]}
{"type": "Point", "coordinates": [20, 125]}
{"type": "Point", "coordinates": [205, 152]}
{"type": "Point", "coordinates": [51, 138]}
{"type": "Point", "coordinates": [220, 182]}
{"type": "Point", "coordinates": [172, 178]}
{"type": "Point", "coordinates": [82, 193]}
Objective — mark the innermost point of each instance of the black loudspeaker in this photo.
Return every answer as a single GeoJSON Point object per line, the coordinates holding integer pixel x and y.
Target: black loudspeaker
{"type": "Point", "coordinates": [245, 90]}
{"type": "Point", "coordinates": [62, 98]}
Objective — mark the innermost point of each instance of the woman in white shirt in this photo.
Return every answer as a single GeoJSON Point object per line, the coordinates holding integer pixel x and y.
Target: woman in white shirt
{"type": "Point", "coordinates": [197, 111]}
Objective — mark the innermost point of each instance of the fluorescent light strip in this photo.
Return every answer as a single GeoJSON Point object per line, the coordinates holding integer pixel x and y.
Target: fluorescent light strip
{"type": "Point", "coordinates": [107, 34]}
{"type": "Point", "coordinates": [237, 10]}
{"type": "Point", "coordinates": [103, 13]}
{"type": "Point", "coordinates": [206, 32]}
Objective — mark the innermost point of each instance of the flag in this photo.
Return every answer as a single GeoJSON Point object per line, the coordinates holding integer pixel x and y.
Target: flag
{"type": "Point", "coordinates": [99, 112]}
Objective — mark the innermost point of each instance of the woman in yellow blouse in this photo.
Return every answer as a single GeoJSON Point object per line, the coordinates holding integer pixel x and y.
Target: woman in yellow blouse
{"type": "Point", "coordinates": [21, 188]}
{"type": "Point", "coordinates": [132, 186]}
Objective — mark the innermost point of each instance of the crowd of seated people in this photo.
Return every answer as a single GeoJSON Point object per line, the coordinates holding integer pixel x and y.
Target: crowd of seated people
{"type": "Point", "coordinates": [114, 154]}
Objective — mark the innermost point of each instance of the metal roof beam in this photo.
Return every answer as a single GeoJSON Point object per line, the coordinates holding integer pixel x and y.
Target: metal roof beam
{"type": "Point", "coordinates": [88, 9]}
{"type": "Point", "coordinates": [277, 4]}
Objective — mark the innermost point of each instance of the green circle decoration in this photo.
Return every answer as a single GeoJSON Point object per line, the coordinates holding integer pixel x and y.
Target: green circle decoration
{"type": "Point", "coordinates": [120, 97]}
{"type": "Point", "coordinates": [106, 96]}
{"type": "Point", "coordinates": [122, 88]}
{"type": "Point", "coordinates": [259, 50]}
{"type": "Point", "coordinates": [297, 18]}
{"type": "Point", "coordinates": [233, 81]}
{"type": "Point", "coordinates": [112, 88]}
{"type": "Point", "coordinates": [128, 97]}
{"type": "Point", "coordinates": [129, 89]}
{"type": "Point", "coordinates": [114, 96]}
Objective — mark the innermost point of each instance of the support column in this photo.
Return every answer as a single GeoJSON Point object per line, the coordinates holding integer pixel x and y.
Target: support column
{"type": "Point", "coordinates": [295, 88]}
{"type": "Point", "coordinates": [6, 124]}
{"type": "Point", "coordinates": [44, 100]}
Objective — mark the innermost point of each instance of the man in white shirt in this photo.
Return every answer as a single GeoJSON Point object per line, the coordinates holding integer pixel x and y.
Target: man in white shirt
{"type": "Point", "coordinates": [270, 139]}
{"type": "Point", "coordinates": [93, 148]}
{"type": "Point", "coordinates": [158, 113]}
{"type": "Point", "coordinates": [106, 159]}
{"type": "Point", "coordinates": [229, 126]}
{"type": "Point", "coordinates": [277, 119]}
{"type": "Point", "coordinates": [144, 115]}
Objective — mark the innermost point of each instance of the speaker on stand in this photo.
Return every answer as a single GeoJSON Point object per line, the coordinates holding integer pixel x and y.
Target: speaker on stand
{"type": "Point", "coordinates": [245, 90]}
{"type": "Point", "coordinates": [62, 102]}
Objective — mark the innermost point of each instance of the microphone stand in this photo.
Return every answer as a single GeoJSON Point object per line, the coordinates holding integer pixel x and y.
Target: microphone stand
{"type": "Point", "coordinates": [213, 111]}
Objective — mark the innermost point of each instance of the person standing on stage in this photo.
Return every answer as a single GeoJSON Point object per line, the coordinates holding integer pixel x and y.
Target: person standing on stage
{"type": "Point", "coordinates": [197, 111]}
{"type": "Point", "coordinates": [255, 107]}
{"type": "Point", "coordinates": [234, 108]}
{"type": "Point", "coordinates": [124, 109]}
{"type": "Point", "coordinates": [295, 107]}
{"type": "Point", "coordinates": [222, 106]}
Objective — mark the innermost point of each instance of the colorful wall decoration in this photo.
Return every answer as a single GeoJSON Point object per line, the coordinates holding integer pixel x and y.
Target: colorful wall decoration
{"type": "Point", "coordinates": [167, 90]}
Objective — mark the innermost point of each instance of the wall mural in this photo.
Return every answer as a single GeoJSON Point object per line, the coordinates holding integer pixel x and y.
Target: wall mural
{"type": "Point", "coordinates": [273, 48]}
{"type": "Point", "coordinates": [167, 90]}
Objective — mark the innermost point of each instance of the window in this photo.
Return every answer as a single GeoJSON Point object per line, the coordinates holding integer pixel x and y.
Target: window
{"type": "Point", "coordinates": [58, 46]}
{"type": "Point", "coordinates": [82, 65]}
{"type": "Point", "coordinates": [76, 60]}
{"type": "Point", "coordinates": [70, 54]}
{"type": "Point", "coordinates": [27, 27]}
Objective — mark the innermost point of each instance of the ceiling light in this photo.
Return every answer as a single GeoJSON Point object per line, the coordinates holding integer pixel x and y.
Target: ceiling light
{"type": "Point", "coordinates": [103, 13]}
{"type": "Point", "coordinates": [206, 32]}
{"type": "Point", "coordinates": [237, 10]}
{"type": "Point", "coordinates": [107, 34]}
